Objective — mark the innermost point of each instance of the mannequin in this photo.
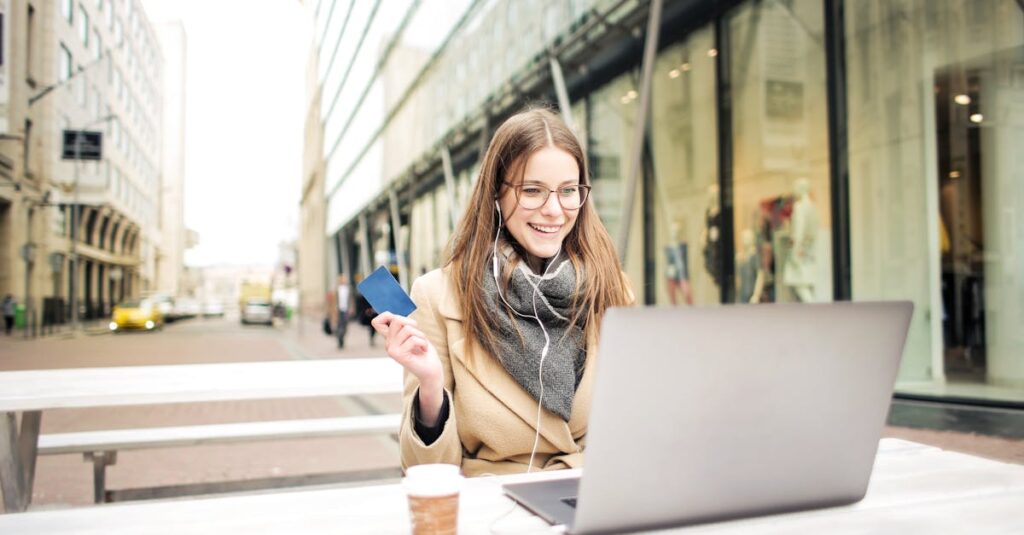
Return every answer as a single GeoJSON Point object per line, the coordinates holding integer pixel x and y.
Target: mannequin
{"type": "Point", "coordinates": [749, 275]}
{"type": "Point", "coordinates": [710, 235]}
{"type": "Point", "coordinates": [800, 267]}
{"type": "Point", "coordinates": [677, 271]}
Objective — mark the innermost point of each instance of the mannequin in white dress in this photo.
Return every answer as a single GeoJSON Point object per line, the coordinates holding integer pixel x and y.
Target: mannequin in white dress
{"type": "Point", "coordinates": [749, 275]}
{"type": "Point", "coordinates": [801, 264]}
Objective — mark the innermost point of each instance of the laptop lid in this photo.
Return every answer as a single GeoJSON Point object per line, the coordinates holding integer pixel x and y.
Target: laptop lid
{"type": "Point", "coordinates": [703, 414]}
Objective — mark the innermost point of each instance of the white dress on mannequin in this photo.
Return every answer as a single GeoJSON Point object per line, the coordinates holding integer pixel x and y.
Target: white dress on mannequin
{"type": "Point", "coordinates": [801, 265]}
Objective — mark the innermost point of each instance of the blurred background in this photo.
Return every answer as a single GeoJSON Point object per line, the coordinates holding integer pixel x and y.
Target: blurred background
{"type": "Point", "coordinates": [762, 151]}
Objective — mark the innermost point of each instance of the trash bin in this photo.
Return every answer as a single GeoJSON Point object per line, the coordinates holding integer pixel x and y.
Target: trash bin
{"type": "Point", "coordinates": [19, 316]}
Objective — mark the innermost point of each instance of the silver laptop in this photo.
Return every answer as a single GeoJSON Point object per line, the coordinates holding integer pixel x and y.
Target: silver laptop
{"type": "Point", "coordinates": [709, 414]}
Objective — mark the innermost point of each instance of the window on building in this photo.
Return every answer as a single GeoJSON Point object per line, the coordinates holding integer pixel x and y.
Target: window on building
{"type": "Point", "coordinates": [28, 147]}
{"type": "Point", "coordinates": [684, 147]}
{"type": "Point", "coordinates": [83, 25]}
{"type": "Point", "coordinates": [97, 44]}
{"type": "Point", "coordinates": [65, 63]}
{"type": "Point", "coordinates": [108, 13]}
{"type": "Point", "coordinates": [67, 10]}
{"type": "Point", "coordinates": [118, 33]}
{"type": "Point", "coordinates": [30, 39]}
{"type": "Point", "coordinates": [612, 121]}
{"type": "Point", "coordinates": [935, 115]}
{"type": "Point", "coordinates": [781, 198]}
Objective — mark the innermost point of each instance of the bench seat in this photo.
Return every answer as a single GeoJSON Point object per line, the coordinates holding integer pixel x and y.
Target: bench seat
{"type": "Point", "coordinates": [101, 447]}
{"type": "Point", "coordinates": [194, 435]}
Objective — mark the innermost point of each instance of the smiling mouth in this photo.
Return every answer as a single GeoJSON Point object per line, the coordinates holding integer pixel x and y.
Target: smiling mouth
{"type": "Point", "coordinates": [546, 229]}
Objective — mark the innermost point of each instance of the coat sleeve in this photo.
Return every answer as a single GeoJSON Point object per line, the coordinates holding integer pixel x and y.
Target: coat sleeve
{"type": "Point", "coordinates": [426, 293]}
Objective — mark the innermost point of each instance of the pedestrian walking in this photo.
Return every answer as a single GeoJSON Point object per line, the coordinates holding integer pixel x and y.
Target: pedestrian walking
{"type": "Point", "coordinates": [8, 306]}
{"type": "Point", "coordinates": [507, 328]}
{"type": "Point", "coordinates": [343, 295]}
{"type": "Point", "coordinates": [366, 314]}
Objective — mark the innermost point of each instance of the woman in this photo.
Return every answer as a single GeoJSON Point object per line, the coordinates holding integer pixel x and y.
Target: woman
{"type": "Point", "coordinates": [530, 272]}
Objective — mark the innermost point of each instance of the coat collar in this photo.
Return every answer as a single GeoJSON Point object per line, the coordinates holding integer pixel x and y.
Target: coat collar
{"type": "Point", "coordinates": [449, 307]}
{"type": "Point", "coordinates": [493, 376]}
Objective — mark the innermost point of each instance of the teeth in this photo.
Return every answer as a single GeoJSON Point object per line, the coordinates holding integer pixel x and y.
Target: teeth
{"type": "Point", "coordinates": [545, 229]}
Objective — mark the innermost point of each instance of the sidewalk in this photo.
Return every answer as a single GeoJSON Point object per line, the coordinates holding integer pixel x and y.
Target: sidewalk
{"type": "Point", "coordinates": [311, 342]}
{"type": "Point", "coordinates": [90, 327]}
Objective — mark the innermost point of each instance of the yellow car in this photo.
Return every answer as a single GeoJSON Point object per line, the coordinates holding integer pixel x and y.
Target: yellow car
{"type": "Point", "coordinates": [136, 314]}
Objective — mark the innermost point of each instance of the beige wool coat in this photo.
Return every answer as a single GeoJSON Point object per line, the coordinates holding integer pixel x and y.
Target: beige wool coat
{"type": "Point", "coordinates": [492, 419]}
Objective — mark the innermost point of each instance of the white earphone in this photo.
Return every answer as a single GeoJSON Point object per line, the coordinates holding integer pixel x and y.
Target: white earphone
{"type": "Point", "coordinates": [494, 257]}
{"type": "Point", "coordinates": [535, 317]}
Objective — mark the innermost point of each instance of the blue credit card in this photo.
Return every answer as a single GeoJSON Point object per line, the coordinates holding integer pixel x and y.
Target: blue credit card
{"type": "Point", "coordinates": [384, 293]}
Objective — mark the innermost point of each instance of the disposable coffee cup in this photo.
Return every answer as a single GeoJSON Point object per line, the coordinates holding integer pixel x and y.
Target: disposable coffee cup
{"type": "Point", "coordinates": [433, 491]}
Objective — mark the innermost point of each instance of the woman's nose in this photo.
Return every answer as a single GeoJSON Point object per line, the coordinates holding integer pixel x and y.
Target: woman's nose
{"type": "Point", "coordinates": [551, 206]}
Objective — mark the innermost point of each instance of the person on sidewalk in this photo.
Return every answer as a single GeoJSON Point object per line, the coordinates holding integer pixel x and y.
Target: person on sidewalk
{"type": "Point", "coordinates": [343, 293]}
{"type": "Point", "coordinates": [366, 314]}
{"type": "Point", "coordinates": [8, 306]}
{"type": "Point", "coordinates": [499, 353]}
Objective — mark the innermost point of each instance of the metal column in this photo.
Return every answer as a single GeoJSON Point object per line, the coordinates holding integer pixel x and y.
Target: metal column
{"type": "Point", "coordinates": [650, 49]}
{"type": "Point", "coordinates": [342, 258]}
{"type": "Point", "coordinates": [396, 230]}
{"type": "Point", "coordinates": [364, 250]}
{"type": "Point", "coordinates": [563, 95]}
{"type": "Point", "coordinates": [449, 185]}
{"type": "Point", "coordinates": [839, 164]}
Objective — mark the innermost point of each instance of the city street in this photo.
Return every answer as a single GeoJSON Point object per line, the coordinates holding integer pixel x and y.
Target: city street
{"type": "Point", "coordinates": [63, 480]}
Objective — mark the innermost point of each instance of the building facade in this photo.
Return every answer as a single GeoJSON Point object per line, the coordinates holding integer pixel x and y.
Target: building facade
{"type": "Point", "coordinates": [79, 65]}
{"type": "Point", "coordinates": [793, 151]}
{"type": "Point", "coordinates": [170, 266]}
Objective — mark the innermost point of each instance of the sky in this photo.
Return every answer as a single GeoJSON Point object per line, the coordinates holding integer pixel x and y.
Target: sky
{"type": "Point", "coordinates": [245, 107]}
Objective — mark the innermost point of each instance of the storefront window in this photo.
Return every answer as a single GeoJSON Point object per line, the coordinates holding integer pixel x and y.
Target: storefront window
{"type": "Point", "coordinates": [684, 145]}
{"type": "Point", "coordinates": [612, 119]}
{"type": "Point", "coordinates": [781, 210]}
{"type": "Point", "coordinates": [936, 122]}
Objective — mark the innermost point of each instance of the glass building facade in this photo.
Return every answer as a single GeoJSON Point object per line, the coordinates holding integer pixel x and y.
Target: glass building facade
{"type": "Point", "coordinates": [794, 151]}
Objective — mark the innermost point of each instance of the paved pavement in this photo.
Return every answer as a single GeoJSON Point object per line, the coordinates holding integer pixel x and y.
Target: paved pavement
{"type": "Point", "coordinates": [64, 480]}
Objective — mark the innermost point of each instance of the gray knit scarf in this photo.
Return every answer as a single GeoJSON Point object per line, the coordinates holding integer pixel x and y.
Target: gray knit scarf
{"type": "Point", "coordinates": [553, 293]}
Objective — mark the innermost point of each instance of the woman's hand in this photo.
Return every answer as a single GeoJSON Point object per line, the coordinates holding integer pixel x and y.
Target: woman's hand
{"type": "Point", "coordinates": [408, 346]}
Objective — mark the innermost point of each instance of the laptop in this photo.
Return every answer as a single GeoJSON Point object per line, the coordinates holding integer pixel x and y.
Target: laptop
{"type": "Point", "coordinates": [711, 414]}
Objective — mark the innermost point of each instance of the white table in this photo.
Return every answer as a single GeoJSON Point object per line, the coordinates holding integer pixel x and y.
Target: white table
{"type": "Point", "coordinates": [914, 489]}
{"type": "Point", "coordinates": [30, 392]}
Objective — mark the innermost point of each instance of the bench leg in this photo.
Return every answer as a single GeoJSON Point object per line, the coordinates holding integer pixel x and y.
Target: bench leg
{"type": "Point", "coordinates": [100, 461]}
{"type": "Point", "coordinates": [18, 458]}
{"type": "Point", "coordinates": [28, 440]}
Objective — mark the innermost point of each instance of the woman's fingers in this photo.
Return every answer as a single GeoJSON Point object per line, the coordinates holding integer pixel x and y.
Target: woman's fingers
{"type": "Point", "coordinates": [409, 330]}
{"type": "Point", "coordinates": [386, 322]}
{"type": "Point", "coordinates": [380, 323]}
{"type": "Point", "coordinates": [412, 346]}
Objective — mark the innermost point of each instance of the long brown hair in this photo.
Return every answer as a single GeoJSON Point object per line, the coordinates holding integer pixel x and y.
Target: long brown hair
{"type": "Point", "coordinates": [600, 283]}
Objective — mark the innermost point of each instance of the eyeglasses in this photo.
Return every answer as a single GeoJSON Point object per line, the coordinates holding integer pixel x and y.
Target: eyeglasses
{"type": "Point", "coordinates": [533, 196]}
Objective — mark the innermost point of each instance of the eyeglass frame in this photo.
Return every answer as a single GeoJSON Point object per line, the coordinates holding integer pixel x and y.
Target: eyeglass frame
{"type": "Point", "coordinates": [517, 188]}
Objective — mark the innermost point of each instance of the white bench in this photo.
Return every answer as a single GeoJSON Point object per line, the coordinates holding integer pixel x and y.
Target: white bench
{"type": "Point", "coordinates": [101, 447]}
{"type": "Point", "coordinates": [25, 394]}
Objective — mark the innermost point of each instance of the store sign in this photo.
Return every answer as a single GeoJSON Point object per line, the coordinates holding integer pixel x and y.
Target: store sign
{"type": "Point", "coordinates": [82, 145]}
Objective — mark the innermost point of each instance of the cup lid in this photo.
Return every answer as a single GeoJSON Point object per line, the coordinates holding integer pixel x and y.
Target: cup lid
{"type": "Point", "coordinates": [432, 480]}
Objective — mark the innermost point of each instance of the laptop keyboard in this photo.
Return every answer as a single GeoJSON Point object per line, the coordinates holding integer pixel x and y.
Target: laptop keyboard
{"type": "Point", "coordinates": [571, 502]}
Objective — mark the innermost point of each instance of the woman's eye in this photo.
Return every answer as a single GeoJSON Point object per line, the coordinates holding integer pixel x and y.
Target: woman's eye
{"type": "Point", "coordinates": [569, 191]}
{"type": "Point", "coordinates": [531, 191]}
